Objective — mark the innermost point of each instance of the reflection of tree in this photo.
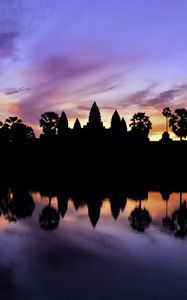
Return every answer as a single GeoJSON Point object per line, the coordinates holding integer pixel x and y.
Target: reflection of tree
{"type": "Point", "coordinates": [179, 219]}
{"type": "Point", "coordinates": [166, 221]}
{"type": "Point", "coordinates": [140, 218]}
{"type": "Point", "coordinates": [22, 204]}
{"type": "Point", "coordinates": [16, 204]}
{"type": "Point", "coordinates": [5, 205]}
{"type": "Point", "coordinates": [49, 218]}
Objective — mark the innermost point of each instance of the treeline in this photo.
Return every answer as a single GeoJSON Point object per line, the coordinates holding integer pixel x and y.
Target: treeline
{"type": "Point", "coordinates": [54, 126]}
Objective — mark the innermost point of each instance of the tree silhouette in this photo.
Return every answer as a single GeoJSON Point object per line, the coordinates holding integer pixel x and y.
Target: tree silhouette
{"type": "Point", "coordinates": [11, 121]}
{"type": "Point", "coordinates": [49, 122]}
{"type": "Point", "coordinates": [14, 130]}
{"type": "Point", "coordinates": [166, 113]}
{"type": "Point", "coordinates": [94, 120]}
{"type": "Point", "coordinates": [49, 218]}
{"type": "Point", "coordinates": [140, 123]}
{"type": "Point", "coordinates": [178, 122]}
{"type": "Point", "coordinates": [22, 132]}
{"type": "Point", "coordinates": [62, 124]}
{"type": "Point", "coordinates": [7, 131]}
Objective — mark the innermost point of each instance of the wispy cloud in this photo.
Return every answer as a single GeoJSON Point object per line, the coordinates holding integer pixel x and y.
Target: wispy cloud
{"type": "Point", "coordinates": [52, 79]}
{"type": "Point", "coordinates": [64, 80]}
{"type": "Point", "coordinates": [168, 97]}
{"type": "Point", "coordinates": [148, 98]}
{"type": "Point", "coordinates": [11, 91]}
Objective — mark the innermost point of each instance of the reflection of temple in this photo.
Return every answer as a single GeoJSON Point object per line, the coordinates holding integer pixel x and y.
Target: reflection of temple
{"type": "Point", "coordinates": [62, 204]}
{"type": "Point", "coordinates": [117, 204]}
{"type": "Point", "coordinates": [94, 208]}
{"type": "Point", "coordinates": [17, 203]}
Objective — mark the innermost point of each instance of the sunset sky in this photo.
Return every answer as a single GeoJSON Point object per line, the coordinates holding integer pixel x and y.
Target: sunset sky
{"type": "Point", "coordinates": [129, 55]}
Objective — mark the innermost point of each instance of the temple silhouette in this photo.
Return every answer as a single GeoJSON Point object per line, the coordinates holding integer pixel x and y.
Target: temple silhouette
{"type": "Point", "coordinates": [95, 155]}
{"type": "Point", "coordinates": [55, 127]}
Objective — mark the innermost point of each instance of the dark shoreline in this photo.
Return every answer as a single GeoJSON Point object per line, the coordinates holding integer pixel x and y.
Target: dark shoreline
{"type": "Point", "coordinates": [118, 166]}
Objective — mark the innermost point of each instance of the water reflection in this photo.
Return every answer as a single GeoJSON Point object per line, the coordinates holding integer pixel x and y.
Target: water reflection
{"type": "Point", "coordinates": [178, 220]}
{"type": "Point", "coordinates": [49, 217]}
{"type": "Point", "coordinates": [139, 208]}
{"type": "Point", "coordinates": [16, 204]}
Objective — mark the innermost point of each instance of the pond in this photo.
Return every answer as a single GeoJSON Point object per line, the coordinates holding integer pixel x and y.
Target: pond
{"type": "Point", "coordinates": [92, 247]}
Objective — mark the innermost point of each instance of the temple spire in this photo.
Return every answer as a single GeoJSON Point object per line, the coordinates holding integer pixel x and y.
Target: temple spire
{"type": "Point", "coordinates": [94, 120]}
{"type": "Point", "coordinates": [63, 123]}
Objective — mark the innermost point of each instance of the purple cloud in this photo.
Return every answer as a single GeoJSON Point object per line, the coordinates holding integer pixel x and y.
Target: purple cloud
{"type": "Point", "coordinates": [145, 99]}
{"type": "Point", "coordinates": [167, 97]}
{"type": "Point", "coordinates": [11, 91]}
{"type": "Point", "coordinates": [8, 44]}
{"type": "Point", "coordinates": [58, 80]}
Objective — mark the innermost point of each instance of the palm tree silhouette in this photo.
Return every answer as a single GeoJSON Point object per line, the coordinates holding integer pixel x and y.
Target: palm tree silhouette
{"type": "Point", "coordinates": [166, 113]}
{"type": "Point", "coordinates": [140, 123]}
{"type": "Point", "coordinates": [178, 122]}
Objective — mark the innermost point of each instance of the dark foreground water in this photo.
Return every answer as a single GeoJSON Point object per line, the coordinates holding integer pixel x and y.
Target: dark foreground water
{"type": "Point", "coordinates": [131, 253]}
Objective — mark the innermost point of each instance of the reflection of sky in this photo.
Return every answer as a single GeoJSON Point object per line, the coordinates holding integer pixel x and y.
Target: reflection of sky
{"type": "Point", "coordinates": [78, 262]}
{"type": "Point", "coordinates": [61, 55]}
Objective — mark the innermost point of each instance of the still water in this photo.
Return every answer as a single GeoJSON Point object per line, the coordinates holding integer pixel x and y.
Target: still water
{"type": "Point", "coordinates": [63, 248]}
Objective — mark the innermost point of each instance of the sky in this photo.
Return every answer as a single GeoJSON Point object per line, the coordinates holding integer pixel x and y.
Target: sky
{"type": "Point", "coordinates": [62, 55]}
